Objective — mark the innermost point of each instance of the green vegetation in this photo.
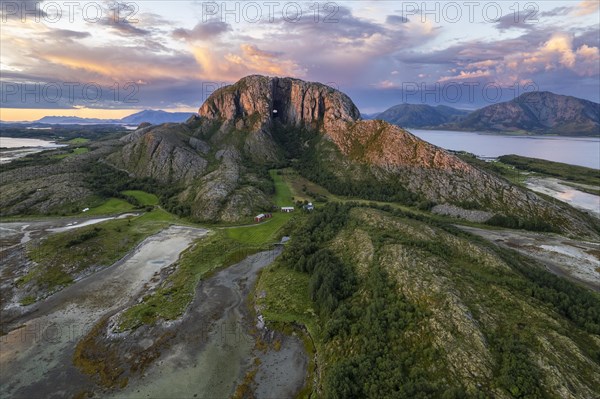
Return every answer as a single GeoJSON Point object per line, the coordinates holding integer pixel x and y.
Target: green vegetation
{"type": "Point", "coordinates": [65, 133]}
{"type": "Point", "coordinates": [531, 224]}
{"type": "Point", "coordinates": [283, 194]}
{"type": "Point", "coordinates": [108, 182]}
{"type": "Point", "coordinates": [28, 300]}
{"type": "Point", "coordinates": [308, 151]}
{"type": "Point", "coordinates": [78, 141]}
{"type": "Point", "coordinates": [142, 197]}
{"type": "Point", "coordinates": [63, 256]}
{"type": "Point", "coordinates": [287, 300]}
{"type": "Point", "coordinates": [74, 151]}
{"type": "Point", "coordinates": [44, 158]}
{"type": "Point", "coordinates": [262, 233]}
{"type": "Point", "coordinates": [111, 206]}
{"type": "Point", "coordinates": [572, 173]}
{"type": "Point", "coordinates": [518, 169]}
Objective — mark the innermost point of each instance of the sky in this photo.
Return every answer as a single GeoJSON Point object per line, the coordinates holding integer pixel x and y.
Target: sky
{"type": "Point", "coordinates": [108, 59]}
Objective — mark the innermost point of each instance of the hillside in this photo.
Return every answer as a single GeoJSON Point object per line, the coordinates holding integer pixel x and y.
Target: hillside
{"type": "Point", "coordinates": [537, 112]}
{"type": "Point", "coordinates": [400, 308]}
{"type": "Point", "coordinates": [421, 115]}
{"type": "Point", "coordinates": [260, 122]}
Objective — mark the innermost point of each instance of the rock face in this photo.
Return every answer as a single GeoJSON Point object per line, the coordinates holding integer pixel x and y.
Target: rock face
{"type": "Point", "coordinates": [220, 156]}
{"type": "Point", "coordinates": [467, 214]}
{"type": "Point", "coordinates": [161, 152]}
{"type": "Point", "coordinates": [292, 102]}
{"type": "Point", "coordinates": [538, 112]}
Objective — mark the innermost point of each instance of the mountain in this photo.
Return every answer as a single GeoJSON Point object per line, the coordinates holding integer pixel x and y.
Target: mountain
{"type": "Point", "coordinates": [154, 117]}
{"type": "Point", "coordinates": [369, 116]}
{"type": "Point", "coordinates": [421, 115]}
{"type": "Point", "coordinates": [537, 112]}
{"type": "Point", "coordinates": [221, 157]}
{"type": "Point", "coordinates": [72, 120]}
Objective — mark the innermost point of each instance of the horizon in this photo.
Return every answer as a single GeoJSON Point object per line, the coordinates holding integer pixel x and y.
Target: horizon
{"type": "Point", "coordinates": [381, 54]}
{"type": "Point", "coordinates": [91, 113]}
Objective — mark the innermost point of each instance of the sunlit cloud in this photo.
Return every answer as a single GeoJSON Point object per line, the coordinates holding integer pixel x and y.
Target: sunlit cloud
{"type": "Point", "coordinates": [587, 7]}
{"type": "Point", "coordinates": [171, 50]}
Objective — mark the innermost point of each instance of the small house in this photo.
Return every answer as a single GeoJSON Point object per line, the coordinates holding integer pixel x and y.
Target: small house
{"type": "Point", "coordinates": [309, 206]}
{"type": "Point", "coordinates": [287, 209]}
{"type": "Point", "coordinates": [259, 218]}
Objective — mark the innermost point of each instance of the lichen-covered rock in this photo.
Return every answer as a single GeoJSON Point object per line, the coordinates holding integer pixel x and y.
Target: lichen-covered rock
{"type": "Point", "coordinates": [467, 214]}
{"type": "Point", "coordinates": [160, 152]}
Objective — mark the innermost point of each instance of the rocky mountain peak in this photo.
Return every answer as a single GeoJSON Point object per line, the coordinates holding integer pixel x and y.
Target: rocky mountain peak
{"type": "Point", "coordinates": [264, 100]}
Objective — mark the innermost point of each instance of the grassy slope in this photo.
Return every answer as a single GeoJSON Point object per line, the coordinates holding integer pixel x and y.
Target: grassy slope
{"type": "Point", "coordinates": [142, 197]}
{"type": "Point", "coordinates": [111, 206]}
{"type": "Point", "coordinates": [283, 194]}
{"type": "Point", "coordinates": [78, 141]}
{"type": "Point", "coordinates": [262, 233]}
{"type": "Point", "coordinates": [75, 151]}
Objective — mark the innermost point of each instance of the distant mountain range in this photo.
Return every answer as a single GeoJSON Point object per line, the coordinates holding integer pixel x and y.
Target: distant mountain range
{"type": "Point", "coordinates": [421, 115]}
{"type": "Point", "coordinates": [154, 117]}
{"type": "Point", "coordinates": [534, 113]}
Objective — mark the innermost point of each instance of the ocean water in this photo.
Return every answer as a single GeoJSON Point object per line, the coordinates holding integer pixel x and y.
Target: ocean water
{"type": "Point", "coordinates": [583, 151]}
{"type": "Point", "coordinates": [11, 142]}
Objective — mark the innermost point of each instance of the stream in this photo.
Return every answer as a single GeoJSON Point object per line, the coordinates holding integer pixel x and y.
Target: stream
{"type": "Point", "coordinates": [207, 353]}
{"type": "Point", "coordinates": [214, 348]}
{"type": "Point", "coordinates": [35, 359]}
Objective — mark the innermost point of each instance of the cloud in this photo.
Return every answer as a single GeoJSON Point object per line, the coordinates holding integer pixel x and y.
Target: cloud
{"type": "Point", "coordinates": [557, 12]}
{"type": "Point", "coordinates": [26, 10]}
{"type": "Point", "coordinates": [466, 75]}
{"type": "Point", "coordinates": [559, 53]}
{"type": "Point", "coordinates": [556, 57]}
{"type": "Point", "coordinates": [587, 7]}
{"type": "Point", "coordinates": [386, 84]}
{"type": "Point", "coordinates": [203, 31]}
{"type": "Point", "coordinates": [246, 60]}
{"type": "Point", "coordinates": [396, 19]}
{"type": "Point", "coordinates": [124, 27]}
{"type": "Point", "coordinates": [69, 34]}
{"type": "Point", "coordinates": [355, 47]}
{"type": "Point", "coordinates": [518, 20]}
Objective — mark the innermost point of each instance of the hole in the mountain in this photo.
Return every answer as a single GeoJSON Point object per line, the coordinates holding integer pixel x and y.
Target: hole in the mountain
{"type": "Point", "coordinates": [277, 107]}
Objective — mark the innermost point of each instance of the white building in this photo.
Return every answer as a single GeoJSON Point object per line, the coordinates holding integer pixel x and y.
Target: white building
{"type": "Point", "coordinates": [287, 209]}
